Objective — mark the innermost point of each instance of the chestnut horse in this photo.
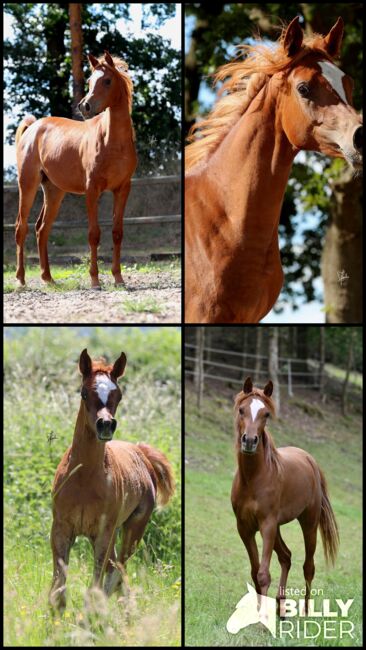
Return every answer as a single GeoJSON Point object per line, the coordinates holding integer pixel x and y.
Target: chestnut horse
{"type": "Point", "coordinates": [272, 487]}
{"type": "Point", "coordinates": [79, 157]}
{"type": "Point", "coordinates": [103, 485]}
{"type": "Point", "coordinates": [278, 102]}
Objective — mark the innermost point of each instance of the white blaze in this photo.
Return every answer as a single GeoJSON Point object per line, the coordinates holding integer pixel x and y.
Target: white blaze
{"type": "Point", "coordinates": [255, 406]}
{"type": "Point", "coordinates": [334, 77]}
{"type": "Point", "coordinates": [103, 386]}
{"type": "Point", "coordinates": [94, 78]}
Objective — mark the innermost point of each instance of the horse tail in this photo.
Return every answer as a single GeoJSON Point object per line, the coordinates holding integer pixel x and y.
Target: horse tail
{"type": "Point", "coordinates": [26, 121]}
{"type": "Point", "coordinates": [328, 525]}
{"type": "Point", "coordinates": [162, 470]}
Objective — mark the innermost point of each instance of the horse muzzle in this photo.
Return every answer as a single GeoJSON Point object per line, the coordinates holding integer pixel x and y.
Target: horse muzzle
{"type": "Point", "coordinates": [105, 429]}
{"type": "Point", "coordinates": [248, 444]}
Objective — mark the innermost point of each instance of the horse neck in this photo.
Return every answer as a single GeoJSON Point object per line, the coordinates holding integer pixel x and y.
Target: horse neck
{"type": "Point", "coordinates": [85, 448]}
{"type": "Point", "coordinates": [249, 171]}
{"type": "Point", "coordinates": [117, 123]}
{"type": "Point", "coordinates": [250, 466]}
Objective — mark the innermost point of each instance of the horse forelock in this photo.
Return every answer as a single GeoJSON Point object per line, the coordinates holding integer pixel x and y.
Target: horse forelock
{"type": "Point", "coordinates": [256, 392]}
{"type": "Point", "coordinates": [242, 81]}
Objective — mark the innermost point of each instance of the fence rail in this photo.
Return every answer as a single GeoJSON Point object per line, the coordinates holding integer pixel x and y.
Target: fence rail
{"type": "Point", "coordinates": [286, 371]}
{"type": "Point", "coordinates": [170, 218]}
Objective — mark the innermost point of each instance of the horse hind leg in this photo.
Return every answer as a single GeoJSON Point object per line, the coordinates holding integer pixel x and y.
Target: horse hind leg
{"type": "Point", "coordinates": [310, 535]}
{"type": "Point", "coordinates": [27, 191]}
{"type": "Point", "coordinates": [132, 532]}
{"type": "Point", "coordinates": [284, 558]}
{"type": "Point", "coordinates": [52, 199]}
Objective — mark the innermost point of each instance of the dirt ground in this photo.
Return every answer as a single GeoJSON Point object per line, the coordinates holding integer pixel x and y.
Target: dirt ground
{"type": "Point", "coordinates": [147, 298]}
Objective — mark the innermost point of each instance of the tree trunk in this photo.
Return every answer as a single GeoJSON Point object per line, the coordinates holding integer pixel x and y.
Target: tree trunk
{"type": "Point", "coordinates": [77, 58]}
{"type": "Point", "coordinates": [273, 365]}
{"type": "Point", "coordinates": [348, 370]}
{"type": "Point", "coordinates": [199, 369]}
{"type": "Point", "coordinates": [342, 254]}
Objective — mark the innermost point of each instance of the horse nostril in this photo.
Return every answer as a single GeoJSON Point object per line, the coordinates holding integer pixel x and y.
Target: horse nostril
{"type": "Point", "coordinates": [255, 439]}
{"type": "Point", "coordinates": [244, 437]}
{"type": "Point", "coordinates": [113, 425]}
{"type": "Point", "coordinates": [357, 139]}
{"type": "Point", "coordinates": [87, 107]}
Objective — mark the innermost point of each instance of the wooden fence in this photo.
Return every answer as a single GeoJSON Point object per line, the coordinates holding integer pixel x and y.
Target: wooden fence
{"type": "Point", "coordinates": [234, 373]}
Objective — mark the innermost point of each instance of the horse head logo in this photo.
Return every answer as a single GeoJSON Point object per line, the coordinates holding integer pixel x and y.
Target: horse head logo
{"type": "Point", "coordinates": [247, 613]}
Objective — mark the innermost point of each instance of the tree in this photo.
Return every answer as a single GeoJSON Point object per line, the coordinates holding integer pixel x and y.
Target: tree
{"type": "Point", "coordinates": [39, 67]}
{"type": "Point", "coordinates": [273, 365]}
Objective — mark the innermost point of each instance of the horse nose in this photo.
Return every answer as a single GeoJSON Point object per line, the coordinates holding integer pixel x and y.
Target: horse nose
{"type": "Point", "coordinates": [106, 427]}
{"type": "Point", "coordinates": [357, 139]}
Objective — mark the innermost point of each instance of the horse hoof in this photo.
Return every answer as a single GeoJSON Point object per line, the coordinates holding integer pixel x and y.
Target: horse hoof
{"type": "Point", "coordinates": [97, 287]}
{"type": "Point", "coordinates": [20, 285]}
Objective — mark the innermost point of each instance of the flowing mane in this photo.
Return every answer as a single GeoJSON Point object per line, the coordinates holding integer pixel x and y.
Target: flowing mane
{"type": "Point", "coordinates": [243, 80]}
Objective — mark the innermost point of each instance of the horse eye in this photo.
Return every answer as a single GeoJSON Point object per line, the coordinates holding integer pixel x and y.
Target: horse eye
{"type": "Point", "coordinates": [84, 393]}
{"type": "Point", "coordinates": [303, 90]}
{"type": "Point", "coordinates": [241, 411]}
{"type": "Point", "coordinates": [266, 415]}
{"type": "Point", "coordinates": [108, 82]}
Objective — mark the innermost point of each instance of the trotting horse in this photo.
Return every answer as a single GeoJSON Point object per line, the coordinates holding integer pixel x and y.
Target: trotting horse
{"type": "Point", "coordinates": [80, 157]}
{"type": "Point", "coordinates": [103, 485]}
{"type": "Point", "coordinates": [272, 487]}
{"type": "Point", "coordinates": [278, 102]}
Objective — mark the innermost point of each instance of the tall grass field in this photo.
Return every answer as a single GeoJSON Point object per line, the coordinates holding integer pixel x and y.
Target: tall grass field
{"type": "Point", "coordinates": [217, 567]}
{"type": "Point", "coordinates": [42, 396]}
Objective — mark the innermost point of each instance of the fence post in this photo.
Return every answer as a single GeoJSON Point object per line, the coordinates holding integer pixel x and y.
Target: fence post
{"type": "Point", "coordinates": [289, 379]}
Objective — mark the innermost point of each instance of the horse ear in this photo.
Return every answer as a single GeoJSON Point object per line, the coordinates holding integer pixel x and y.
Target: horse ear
{"type": "Point", "coordinates": [333, 40]}
{"type": "Point", "coordinates": [119, 366]}
{"type": "Point", "coordinates": [85, 363]}
{"type": "Point", "coordinates": [93, 61]}
{"type": "Point", "coordinates": [293, 37]}
{"type": "Point", "coordinates": [268, 389]}
{"type": "Point", "coordinates": [108, 59]}
{"type": "Point", "coordinates": [248, 386]}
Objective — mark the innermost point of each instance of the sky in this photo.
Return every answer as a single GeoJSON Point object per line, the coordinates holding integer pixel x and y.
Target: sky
{"type": "Point", "coordinates": [171, 30]}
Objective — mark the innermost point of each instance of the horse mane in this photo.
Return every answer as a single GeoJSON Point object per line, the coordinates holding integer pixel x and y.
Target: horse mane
{"type": "Point", "coordinates": [243, 81]}
{"type": "Point", "coordinates": [271, 455]}
{"type": "Point", "coordinates": [100, 365]}
{"type": "Point", "coordinates": [122, 69]}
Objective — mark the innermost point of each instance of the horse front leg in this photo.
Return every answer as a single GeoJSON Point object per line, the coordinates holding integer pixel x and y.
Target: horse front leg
{"type": "Point", "coordinates": [62, 540]}
{"type": "Point", "coordinates": [284, 558]}
{"type": "Point", "coordinates": [93, 235]}
{"type": "Point", "coordinates": [268, 530]}
{"type": "Point", "coordinates": [120, 199]}
{"type": "Point", "coordinates": [252, 550]}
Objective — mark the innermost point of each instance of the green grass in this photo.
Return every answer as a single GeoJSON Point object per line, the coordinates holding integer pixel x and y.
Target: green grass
{"type": "Point", "coordinates": [41, 403]}
{"type": "Point", "coordinates": [76, 276]}
{"type": "Point", "coordinates": [217, 566]}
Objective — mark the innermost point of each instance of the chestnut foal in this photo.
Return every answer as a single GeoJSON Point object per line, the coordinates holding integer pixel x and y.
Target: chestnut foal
{"type": "Point", "coordinates": [272, 487]}
{"type": "Point", "coordinates": [102, 485]}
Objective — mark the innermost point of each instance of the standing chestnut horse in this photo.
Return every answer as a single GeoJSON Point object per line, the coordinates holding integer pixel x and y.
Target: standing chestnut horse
{"type": "Point", "coordinates": [103, 485]}
{"type": "Point", "coordinates": [278, 101]}
{"type": "Point", "coordinates": [79, 157]}
{"type": "Point", "coordinates": [272, 487]}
